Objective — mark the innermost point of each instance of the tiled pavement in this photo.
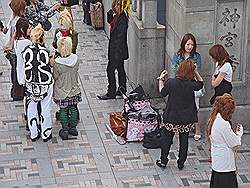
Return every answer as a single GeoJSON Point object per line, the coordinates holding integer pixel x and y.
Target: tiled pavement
{"type": "Point", "coordinates": [92, 159]}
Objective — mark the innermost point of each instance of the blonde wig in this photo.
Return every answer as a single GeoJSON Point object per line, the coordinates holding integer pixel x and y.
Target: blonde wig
{"type": "Point", "coordinates": [65, 19]}
{"type": "Point", "coordinates": [64, 45]}
{"type": "Point", "coordinates": [124, 5]}
{"type": "Point", "coordinates": [224, 105]}
{"type": "Point", "coordinates": [37, 34]}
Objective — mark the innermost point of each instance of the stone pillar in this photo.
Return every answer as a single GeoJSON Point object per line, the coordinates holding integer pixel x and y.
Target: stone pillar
{"type": "Point", "coordinates": [149, 13]}
{"type": "Point", "coordinates": [214, 22]}
{"type": "Point", "coordinates": [146, 47]}
{"type": "Point", "coordinates": [134, 5]}
{"type": "Point", "coordinates": [139, 9]}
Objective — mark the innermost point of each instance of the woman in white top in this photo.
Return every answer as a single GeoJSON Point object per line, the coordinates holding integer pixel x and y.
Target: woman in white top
{"type": "Point", "coordinates": [23, 29]}
{"type": "Point", "coordinates": [223, 141]}
{"type": "Point", "coordinates": [222, 77]}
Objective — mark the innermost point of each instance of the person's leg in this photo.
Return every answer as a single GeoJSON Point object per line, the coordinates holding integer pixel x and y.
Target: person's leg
{"type": "Point", "coordinates": [197, 134]}
{"type": "Point", "coordinates": [73, 120]}
{"type": "Point", "coordinates": [46, 120]}
{"type": "Point", "coordinates": [166, 142]}
{"type": "Point", "coordinates": [122, 76]}
{"type": "Point", "coordinates": [183, 149]}
{"type": "Point", "coordinates": [32, 119]}
{"type": "Point", "coordinates": [111, 93]}
{"type": "Point", "coordinates": [64, 120]}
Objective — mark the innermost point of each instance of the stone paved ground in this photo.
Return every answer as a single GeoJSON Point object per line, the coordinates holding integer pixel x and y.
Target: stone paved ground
{"type": "Point", "coordinates": [92, 159]}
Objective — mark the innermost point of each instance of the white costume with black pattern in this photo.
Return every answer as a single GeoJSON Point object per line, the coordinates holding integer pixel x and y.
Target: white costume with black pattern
{"type": "Point", "coordinates": [39, 86]}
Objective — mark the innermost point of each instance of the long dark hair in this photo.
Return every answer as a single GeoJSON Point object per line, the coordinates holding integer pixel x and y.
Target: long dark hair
{"type": "Point", "coordinates": [185, 38]}
{"type": "Point", "coordinates": [219, 53]}
{"type": "Point", "coordinates": [22, 26]}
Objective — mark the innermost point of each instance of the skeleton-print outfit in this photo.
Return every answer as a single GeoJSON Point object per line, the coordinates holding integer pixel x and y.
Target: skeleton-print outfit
{"type": "Point", "coordinates": [39, 86]}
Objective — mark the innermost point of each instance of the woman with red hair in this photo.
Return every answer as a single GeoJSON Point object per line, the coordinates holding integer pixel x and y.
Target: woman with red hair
{"type": "Point", "coordinates": [223, 141]}
{"type": "Point", "coordinates": [180, 114]}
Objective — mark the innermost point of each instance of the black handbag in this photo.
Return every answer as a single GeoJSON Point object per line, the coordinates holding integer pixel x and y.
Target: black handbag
{"type": "Point", "coordinates": [153, 139]}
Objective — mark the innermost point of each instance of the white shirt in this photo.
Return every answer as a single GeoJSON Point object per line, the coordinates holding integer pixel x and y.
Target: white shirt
{"type": "Point", "coordinates": [223, 139]}
{"type": "Point", "coordinates": [19, 46]}
{"type": "Point", "coordinates": [226, 69]}
{"type": "Point", "coordinates": [3, 39]}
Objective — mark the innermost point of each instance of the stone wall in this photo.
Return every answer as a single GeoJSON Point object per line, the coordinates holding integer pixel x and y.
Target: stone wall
{"type": "Point", "coordinates": [107, 6]}
{"type": "Point", "coordinates": [214, 21]}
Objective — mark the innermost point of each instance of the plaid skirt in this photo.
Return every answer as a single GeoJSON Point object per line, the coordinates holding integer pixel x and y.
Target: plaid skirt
{"type": "Point", "coordinates": [69, 101]}
{"type": "Point", "coordinates": [178, 128]}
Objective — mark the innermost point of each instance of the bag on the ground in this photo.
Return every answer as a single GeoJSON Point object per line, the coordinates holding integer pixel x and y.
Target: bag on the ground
{"type": "Point", "coordinates": [136, 100]}
{"type": "Point", "coordinates": [143, 121]}
{"type": "Point", "coordinates": [152, 140]}
{"type": "Point", "coordinates": [117, 123]}
{"type": "Point", "coordinates": [96, 15]}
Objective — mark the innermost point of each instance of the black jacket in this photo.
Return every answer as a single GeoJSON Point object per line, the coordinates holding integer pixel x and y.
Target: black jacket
{"type": "Point", "coordinates": [181, 108]}
{"type": "Point", "coordinates": [118, 47]}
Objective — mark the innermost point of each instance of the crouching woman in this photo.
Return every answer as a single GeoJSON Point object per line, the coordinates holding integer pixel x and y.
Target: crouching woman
{"type": "Point", "coordinates": [180, 114]}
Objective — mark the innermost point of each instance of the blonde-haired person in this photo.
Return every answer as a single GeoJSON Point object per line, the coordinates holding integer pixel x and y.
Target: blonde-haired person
{"type": "Point", "coordinates": [67, 92]}
{"type": "Point", "coordinates": [223, 141]}
{"type": "Point", "coordinates": [66, 30]}
{"type": "Point", "coordinates": [39, 86]}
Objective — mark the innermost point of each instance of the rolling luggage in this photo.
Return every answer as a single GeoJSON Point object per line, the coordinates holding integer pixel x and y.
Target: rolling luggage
{"type": "Point", "coordinates": [96, 15]}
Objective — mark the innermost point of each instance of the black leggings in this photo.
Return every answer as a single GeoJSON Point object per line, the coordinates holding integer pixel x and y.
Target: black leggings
{"type": "Point", "coordinates": [167, 140]}
{"type": "Point", "coordinates": [119, 66]}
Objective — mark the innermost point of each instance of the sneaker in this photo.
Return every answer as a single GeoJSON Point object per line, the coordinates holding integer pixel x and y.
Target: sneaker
{"type": "Point", "coordinates": [64, 134]}
{"type": "Point", "coordinates": [180, 166]}
{"type": "Point", "coordinates": [197, 137]}
{"type": "Point", "coordinates": [73, 131]}
{"type": "Point", "coordinates": [106, 97]}
{"type": "Point", "coordinates": [209, 159]}
{"type": "Point", "coordinates": [160, 164]}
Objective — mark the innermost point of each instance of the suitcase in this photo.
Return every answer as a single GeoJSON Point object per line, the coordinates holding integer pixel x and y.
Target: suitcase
{"type": "Point", "coordinates": [96, 15]}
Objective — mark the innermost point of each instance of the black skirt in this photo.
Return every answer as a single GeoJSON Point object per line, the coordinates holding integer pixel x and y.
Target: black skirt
{"type": "Point", "coordinates": [223, 180]}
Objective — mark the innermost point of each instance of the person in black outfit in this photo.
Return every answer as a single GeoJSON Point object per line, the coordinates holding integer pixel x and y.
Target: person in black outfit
{"type": "Point", "coordinates": [117, 50]}
{"type": "Point", "coordinates": [86, 9]}
{"type": "Point", "coordinates": [180, 114]}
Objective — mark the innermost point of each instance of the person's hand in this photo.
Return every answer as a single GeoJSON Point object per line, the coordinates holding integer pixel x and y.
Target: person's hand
{"type": "Point", "coordinates": [162, 75]}
{"type": "Point", "coordinates": [56, 6]}
{"type": "Point", "coordinates": [213, 77]}
{"type": "Point", "coordinates": [239, 129]}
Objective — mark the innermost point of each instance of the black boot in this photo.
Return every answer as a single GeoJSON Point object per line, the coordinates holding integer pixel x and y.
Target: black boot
{"type": "Point", "coordinates": [106, 96]}
{"type": "Point", "coordinates": [73, 131]}
{"type": "Point", "coordinates": [64, 134]}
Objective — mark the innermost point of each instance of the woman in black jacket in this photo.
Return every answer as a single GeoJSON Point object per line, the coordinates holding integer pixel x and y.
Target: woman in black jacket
{"type": "Point", "coordinates": [181, 112]}
{"type": "Point", "coordinates": [117, 49]}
